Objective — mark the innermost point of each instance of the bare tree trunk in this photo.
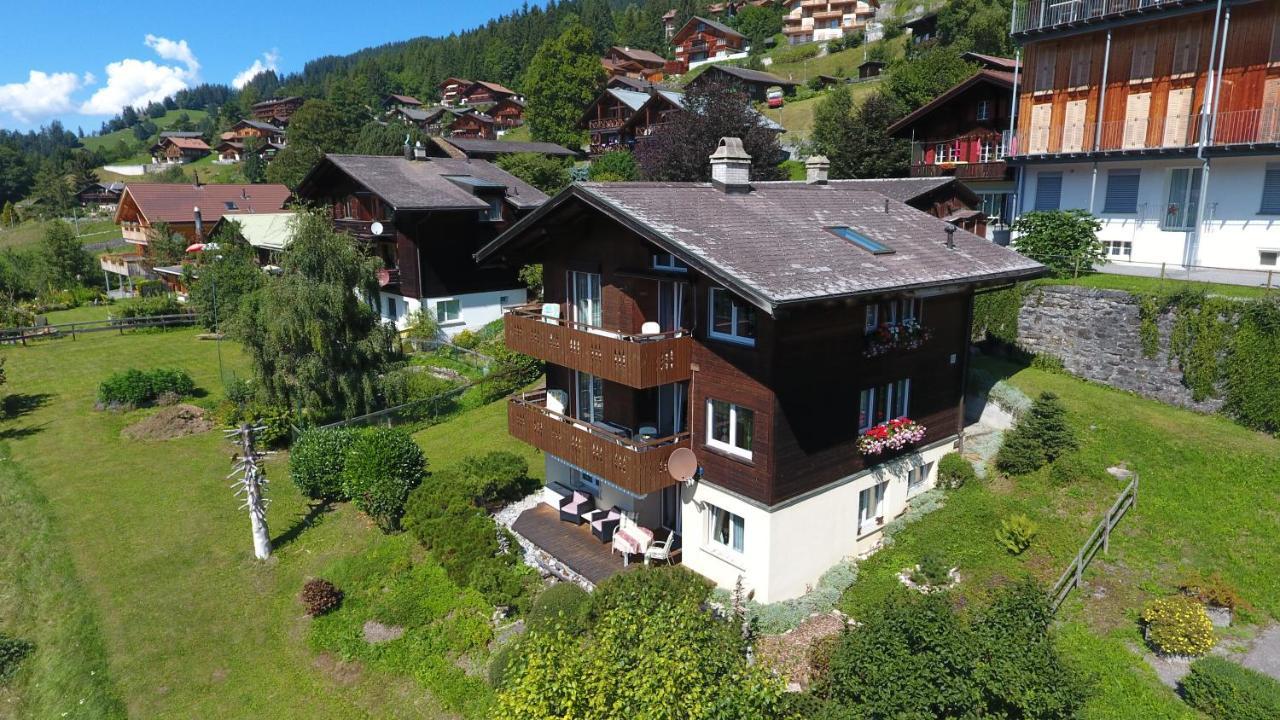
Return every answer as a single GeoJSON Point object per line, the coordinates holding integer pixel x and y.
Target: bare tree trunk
{"type": "Point", "coordinates": [251, 486]}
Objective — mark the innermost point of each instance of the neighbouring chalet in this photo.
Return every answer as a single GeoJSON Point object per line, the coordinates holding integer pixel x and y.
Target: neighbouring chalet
{"type": "Point", "coordinates": [620, 118]}
{"type": "Point", "coordinates": [822, 20]}
{"type": "Point", "coordinates": [487, 93]}
{"type": "Point", "coordinates": [507, 113]}
{"type": "Point", "coordinates": [871, 68]}
{"type": "Point", "coordinates": [945, 198]}
{"type": "Point", "coordinates": [778, 331]}
{"type": "Point", "coordinates": [474, 124]}
{"type": "Point", "coordinates": [100, 194]}
{"type": "Point", "coordinates": [461, 148]}
{"type": "Point", "coordinates": [755, 82]}
{"type": "Point", "coordinates": [400, 101]}
{"type": "Point", "coordinates": [634, 63]}
{"type": "Point", "coordinates": [234, 151]}
{"type": "Point", "coordinates": [276, 111]}
{"type": "Point", "coordinates": [964, 133]}
{"type": "Point", "coordinates": [923, 29]}
{"type": "Point", "coordinates": [178, 150]}
{"type": "Point", "coordinates": [264, 131]}
{"type": "Point", "coordinates": [701, 40]}
{"type": "Point", "coordinates": [425, 218]}
{"type": "Point", "coordinates": [451, 90]}
{"type": "Point", "coordinates": [267, 233]}
{"type": "Point", "coordinates": [189, 209]}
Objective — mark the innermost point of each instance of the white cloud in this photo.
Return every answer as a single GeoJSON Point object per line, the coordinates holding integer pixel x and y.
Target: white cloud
{"type": "Point", "coordinates": [42, 96]}
{"type": "Point", "coordinates": [266, 62]}
{"type": "Point", "coordinates": [136, 83]}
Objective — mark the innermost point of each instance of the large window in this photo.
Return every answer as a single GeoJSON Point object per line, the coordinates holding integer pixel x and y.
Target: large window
{"type": "Point", "coordinates": [731, 318]}
{"type": "Point", "coordinates": [730, 428]}
{"type": "Point", "coordinates": [448, 311]}
{"type": "Point", "coordinates": [995, 207]}
{"type": "Point", "coordinates": [1184, 196]}
{"type": "Point", "coordinates": [584, 295]}
{"type": "Point", "coordinates": [883, 403]}
{"type": "Point", "coordinates": [892, 312]}
{"type": "Point", "coordinates": [1048, 191]}
{"type": "Point", "coordinates": [727, 529]}
{"type": "Point", "coordinates": [1122, 192]}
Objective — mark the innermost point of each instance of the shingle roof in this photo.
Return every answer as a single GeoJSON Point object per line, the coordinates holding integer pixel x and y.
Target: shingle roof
{"type": "Point", "coordinates": [639, 55]}
{"type": "Point", "coordinates": [173, 203]}
{"type": "Point", "coordinates": [751, 76]}
{"type": "Point", "coordinates": [406, 99]}
{"type": "Point", "coordinates": [992, 62]}
{"type": "Point", "coordinates": [724, 29]}
{"type": "Point", "coordinates": [186, 143]}
{"type": "Point", "coordinates": [771, 245]}
{"type": "Point", "coordinates": [424, 184]}
{"type": "Point", "coordinates": [475, 146]}
{"type": "Point", "coordinates": [495, 87]}
{"type": "Point", "coordinates": [260, 125]}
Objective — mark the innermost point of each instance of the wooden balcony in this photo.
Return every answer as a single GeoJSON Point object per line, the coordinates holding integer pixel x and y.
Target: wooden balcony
{"type": "Point", "coordinates": [363, 229]}
{"type": "Point", "coordinates": [638, 361]}
{"type": "Point", "coordinates": [997, 170]}
{"type": "Point", "coordinates": [635, 465]}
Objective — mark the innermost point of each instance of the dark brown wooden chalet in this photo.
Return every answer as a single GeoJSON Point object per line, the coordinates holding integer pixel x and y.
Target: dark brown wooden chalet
{"type": "Point", "coordinates": [277, 110]}
{"type": "Point", "coordinates": [507, 112]}
{"type": "Point", "coordinates": [174, 150]}
{"type": "Point", "coordinates": [620, 117]}
{"type": "Point", "coordinates": [755, 82]}
{"type": "Point", "coordinates": [473, 125]}
{"type": "Point", "coordinates": [634, 62]}
{"type": "Point", "coordinates": [99, 193]}
{"type": "Point", "coordinates": [451, 90]}
{"type": "Point", "coordinates": [702, 39]}
{"type": "Point", "coordinates": [743, 321]}
{"type": "Point", "coordinates": [482, 92]}
{"type": "Point", "coordinates": [923, 29]}
{"type": "Point", "coordinates": [871, 68]}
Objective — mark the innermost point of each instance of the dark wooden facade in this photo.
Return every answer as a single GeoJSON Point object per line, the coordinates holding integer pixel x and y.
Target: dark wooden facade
{"type": "Point", "coordinates": [277, 110]}
{"type": "Point", "coordinates": [964, 133]}
{"type": "Point", "coordinates": [507, 113]}
{"type": "Point", "coordinates": [613, 124]}
{"type": "Point", "coordinates": [701, 39]}
{"type": "Point", "coordinates": [473, 125]}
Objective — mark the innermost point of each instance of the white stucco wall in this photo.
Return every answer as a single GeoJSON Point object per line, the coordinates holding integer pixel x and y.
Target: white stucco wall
{"type": "Point", "coordinates": [1234, 231]}
{"type": "Point", "coordinates": [644, 511]}
{"type": "Point", "coordinates": [477, 309]}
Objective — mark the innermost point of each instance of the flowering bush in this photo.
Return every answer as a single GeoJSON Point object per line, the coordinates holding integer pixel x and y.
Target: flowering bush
{"type": "Point", "coordinates": [1178, 625]}
{"type": "Point", "coordinates": [888, 337]}
{"type": "Point", "coordinates": [891, 435]}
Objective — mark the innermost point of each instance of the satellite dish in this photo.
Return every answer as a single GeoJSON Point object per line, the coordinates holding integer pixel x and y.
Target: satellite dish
{"type": "Point", "coordinates": [683, 465]}
{"type": "Point", "coordinates": [376, 228]}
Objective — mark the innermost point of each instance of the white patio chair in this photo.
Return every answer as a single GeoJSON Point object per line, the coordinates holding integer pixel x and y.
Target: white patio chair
{"type": "Point", "coordinates": [660, 550]}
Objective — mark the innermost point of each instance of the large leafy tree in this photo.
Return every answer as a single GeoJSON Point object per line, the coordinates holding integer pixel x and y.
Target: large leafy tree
{"type": "Point", "coordinates": [164, 246]}
{"type": "Point", "coordinates": [680, 148]}
{"type": "Point", "coordinates": [1066, 241]}
{"type": "Point", "coordinates": [318, 127]}
{"type": "Point", "coordinates": [563, 78]}
{"type": "Point", "coordinates": [314, 341]}
{"type": "Point", "coordinates": [66, 263]}
{"type": "Point", "coordinates": [548, 174]}
{"type": "Point", "coordinates": [854, 137]}
{"type": "Point", "coordinates": [759, 23]}
{"type": "Point", "coordinates": [977, 25]}
{"type": "Point", "coordinates": [914, 82]}
{"type": "Point", "coordinates": [225, 278]}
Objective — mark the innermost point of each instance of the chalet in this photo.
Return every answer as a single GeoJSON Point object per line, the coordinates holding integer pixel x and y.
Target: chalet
{"type": "Point", "coordinates": [264, 131]}
{"type": "Point", "coordinates": [276, 111]}
{"type": "Point", "coordinates": [923, 29]}
{"type": "Point", "coordinates": [473, 125]}
{"type": "Point", "coordinates": [945, 198]}
{"type": "Point", "coordinates": [1164, 123]}
{"type": "Point", "coordinates": [425, 218]}
{"type": "Point", "coordinates": [810, 21]}
{"type": "Point", "coordinates": [635, 63]}
{"type": "Point", "coordinates": [267, 233]}
{"type": "Point", "coordinates": [755, 82]}
{"type": "Point", "coordinates": [766, 412]}
{"type": "Point", "coordinates": [487, 93]}
{"type": "Point", "coordinates": [871, 68]}
{"type": "Point", "coordinates": [451, 90]}
{"type": "Point", "coordinates": [461, 148]}
{"type": "Point", "coordinates": [507, 113]}
{"type": "Point", "coordinates": [234, 151]}
{"type": "Point", "coordinates": [100, 194]}
{"type": "Point", "coordinates": [669, 24]}
{"type": "Point", "coordinates": [701, 40]}
{"type": "Point", "coordinates": [400, 101]}
{"type": "Point", "coordinates": [620, 118]}
{"type": "Point", "coordinates": [828, 81]}
{"type": "Point", "coordinates": [964, 133]}
{"type": "Point", "coordinates": [629, 83]}
{"type": "Point", "coordinates": [178, 150]}
{"type": "Point", "coordinates": [189, 209]}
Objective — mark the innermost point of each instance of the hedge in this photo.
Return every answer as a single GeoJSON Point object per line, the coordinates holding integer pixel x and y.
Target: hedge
{"type": "Point", "coordinates": [141, 387]}
{"type": "Point", "coordinates": [1226, 691]}
{"type": "Point", "coordinates": [317, 459]}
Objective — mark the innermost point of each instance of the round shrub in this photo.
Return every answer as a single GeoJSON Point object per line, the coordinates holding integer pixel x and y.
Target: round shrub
{"type": "Point", "coordinates": [467, 340]}
{"type": "Point", "coordinates": [954, 471]}
{"type": "Point", "coordinates": [12, 652]}
{"type": "Point", "coordinates": [1067, 470]}
{"type": "Point", "coordinates": [382, 467]}
{"type": "Point", "coordinates": [320, 596]}
{"type": "Point", "coordinates": [649, 587]}
{"type": "Point", "coordinates": [316, 462]}
{"type": "Point", "coordinates": [1224, 690]}
{"type": "Point", "coordinates": [1178, 625]}
{"type": "Point", "coordinates": [497, 476]}
{"type": "Point", "coordinates": [563, 606]}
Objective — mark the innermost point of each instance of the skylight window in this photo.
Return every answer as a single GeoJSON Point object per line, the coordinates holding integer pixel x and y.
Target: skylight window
{"type": "Point", "coordinates": [230, 204]}
{"type": "Point", "coordinates": [862, 241]}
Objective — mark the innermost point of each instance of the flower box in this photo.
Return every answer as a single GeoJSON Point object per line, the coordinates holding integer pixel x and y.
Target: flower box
{"type": "Point", "coordinates": [891, 337]}
{"type": "Point", "coordinates": [894, 434]}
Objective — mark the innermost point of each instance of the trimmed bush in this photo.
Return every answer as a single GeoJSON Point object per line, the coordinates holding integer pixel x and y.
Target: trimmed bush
{"type": "Point", "coordinates": [316, 462]}
{"type": "Point", "coordinates": [498, 476]}
{"type": "Point", "coordinates": [563, 606]}
{"type": "Point", "coordinates": [648, 587]}
{"type": "Point", "coordinates": [382, 467]}
{"type": "Point", "coordinates": [320, 596]}
{"type": "Point", "coordinates": [1179, 625]}
{"type": "Point", "coordinates": [12, 652]}
{"type": "Point", "coordinates": [954, 471]}
{"type": "Point", "coordinates": [1016, 533]}
{"type": "Point", "coordinates": [467, 340]}
{"type": "Point", "coordinates": [149, 307]}
{"type": "Point", "coordinates": [1226, 691]}
{"type": "Point", "coordinates": [137, 388]}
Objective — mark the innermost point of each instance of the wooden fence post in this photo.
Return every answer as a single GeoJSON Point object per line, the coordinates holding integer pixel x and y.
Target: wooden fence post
{"type": "Point", "coordinates": [1106, 534]}
{"type": "Point", "coordinates": [1079, 567]}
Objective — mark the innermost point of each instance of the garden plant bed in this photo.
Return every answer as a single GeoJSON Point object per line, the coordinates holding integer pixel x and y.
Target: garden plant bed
{"type": "Point", "coordinates": [174, 421]}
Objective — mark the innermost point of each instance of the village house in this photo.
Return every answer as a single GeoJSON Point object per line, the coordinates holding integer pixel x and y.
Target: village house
{"type": "Point", "coordinates": [702, 40]}
{"type": "Point", "coordinates": [871, 68]}
{"type": "Point", "coordinates": [1166, 131]}
{"type": "Point", "coordinates": [264, 131]}
{"type": "Point", "coordinates": [276, 111]}
{"type": "Point", "coordinates": [819, 21]}
{"type": "Point", "coordinates": [100, 194]}
{"type": "Point", "coordinates": [635, 63]}
{"type": "Point", "coordinates": [487, 93]}
{"type": "Point", "coordinates": [507, 113]}
{"type": "Point", "coordinates": [425, 217]}
{"type": "Point", "coordinates": [806, 342]}
{"type": "Point", "coordinates": [669, 24]}
{"type": "Point", "coordinates": [395, 100]}
{"type": "Point", "coordinates": [473, 124]}
{"type": "Point", "coordinates": [451, 90]}
{"type": "Point", "coordinates": [964, 133]}
{"type": "Point", "coordinates": [178, 150]}
{"type": "Point", "coordinates": [620, 118]}
{"type": "Point", "coordinates": [267, 233]}
{"type": "Point", "coordinates": [461, 148]}
{"type": "Point", "coordinates": [756, 83]}
{"type": "Point", "coordinates": [923, 29]}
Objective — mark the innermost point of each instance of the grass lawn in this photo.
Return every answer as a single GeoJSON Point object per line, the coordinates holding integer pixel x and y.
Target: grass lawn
{"type": "Point", "coordinates": [517, 134]}
{"type": "Point", "coordinates": [476, 432]}
{"type": "Point", "coordinates": [1133, 283]}
{"type": "Point", "coordinates": [1207, 501]}
{"type": "Point", "coordinates": [192, 625]}
{"type": "Point", "coordinates": [797, 115]}
{"type": "Point", "coordinates": [98, 142]}
{"type": "Point", "coordinates": [29, 233]}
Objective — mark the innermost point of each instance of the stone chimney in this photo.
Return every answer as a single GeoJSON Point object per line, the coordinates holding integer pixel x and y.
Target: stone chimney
{"type": "Point", "coordinates": [815, 170]}
{"type": "Point", "coordinates": [731, 167]}
{"type": "Point", "coordinates": [419, 151]}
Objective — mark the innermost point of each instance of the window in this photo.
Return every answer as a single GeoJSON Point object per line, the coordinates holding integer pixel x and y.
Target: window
{"type": "Point", "coordinates": [727, 529]}
{"type": "Point", "coordinates": [230, 205]}
{"type": "Point", "coordinates": [589, 397]}
{"type": "Point", "coordinates": [917, 476]}
{"type": "Point", "coordinates": [588, 482]}
{"type": "Point", "coordinates": [1122, 192]}
{"type": "Point", "coordinates": [494, 213]}
{"type": "Point", "coordinates": [988, 150]}
{"type": "Point", "coordinates": [884, 403]}
{"type": "Point", "coordinates": [730, 427]}
{"type": "Point", "coordinates": [1048, 191]}
{"type": "Point", "coordinates": [871, 508]}
{"type": "Point", "coordinates": [392, 312]}
{"type": "Point", "coordinates": [1267, 257]}
{"type": "Point", "coordinates": [1142, 66]}
{"type": "Point", "coordinates": [944, 152]}
{"type": "Point", "coordinates": [1184, 196]}
{"type": "Point", "coordinates": [993, 206]}
{"type": "Point", "coordinates": [1270, 190]}
{"type": "Point", "coordinates": [584, 291]}
{"type": "Point", "coordinates": [1186, 49]}
{"type": "Point", "coordinates": [984, 109]}
{"type": "Point", "coordinates": [731, 319]}
{"type": "Point", "coordinates": [862, 241]}
{"type": "Point", "coordinates": [668, 262]}
{"type": "Point", "coordinates": [448, 311]}
{"type": "Point", "coordinates": [873, 317]}
{"type": "Point", "coordinates": [1046, 59]}
{"type": "Point", "coordinates": [1118, 249]}
{"type": "Point", "coordinates": [1081, 64]}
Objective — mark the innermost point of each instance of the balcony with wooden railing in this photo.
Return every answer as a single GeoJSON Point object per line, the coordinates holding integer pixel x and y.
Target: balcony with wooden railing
{"type": "Point", "coordinates": [1033, 16]}
{"type": "Point", "coordinates": [1236, 130]}
{"type": "Point", "coordinates": [126, 264]}
{"type": "Point", "coordinates": [971, 157]}
{"type": "Point", "coordinates": [638, 465]}
{"type": "Point", "coordinates": [637, 361]}
{"type": "Point", "coordinates": [133, 232]}
{"type": "Point", "coordinates": [363, 229]}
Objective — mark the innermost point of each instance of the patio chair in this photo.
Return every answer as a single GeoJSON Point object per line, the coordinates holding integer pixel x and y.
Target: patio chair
{"type": "Point", "coordinates": [661, 549]}
{"type": "Point", "coordinates": [574, 506]}
{"type": "Point", "coordinates": [604, 523]}
{"type": "Point", "coordinates": [633, 540]}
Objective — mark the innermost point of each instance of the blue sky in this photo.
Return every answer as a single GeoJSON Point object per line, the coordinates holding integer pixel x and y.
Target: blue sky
{"type": "Point", "coordinates": [81, 65]}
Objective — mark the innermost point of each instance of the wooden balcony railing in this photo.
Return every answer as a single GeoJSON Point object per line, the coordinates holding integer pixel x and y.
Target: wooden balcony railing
{"type": "Point", "coordinates": [967, 171]}
{"type": "Point", "coordinates": [639, 466]}
{"type": "Point", "coordinates": [1258, 126]}
{"type": "Point", "coordinates": [608, 123]}
{"type": "Point", "coordinates": [638, 361]}
{"type": "Point", "coordinates": [362, 229]}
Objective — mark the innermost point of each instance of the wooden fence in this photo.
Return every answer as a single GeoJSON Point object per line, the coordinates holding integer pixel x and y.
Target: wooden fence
{"type": "Point", "coordinates": [1073, 576]}
{"type": "Point", "coordinates": [49, 332]}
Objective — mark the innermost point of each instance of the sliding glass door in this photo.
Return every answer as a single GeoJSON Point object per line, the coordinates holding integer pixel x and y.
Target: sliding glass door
{"type": "Point", "coordinates": [584, 297]}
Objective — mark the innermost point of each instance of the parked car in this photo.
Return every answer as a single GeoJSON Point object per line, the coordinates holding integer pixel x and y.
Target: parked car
{"type": "Point", "coordinates": [774, 97]}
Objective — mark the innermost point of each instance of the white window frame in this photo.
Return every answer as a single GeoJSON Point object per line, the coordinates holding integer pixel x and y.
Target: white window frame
{"type": "Point", "coordinates": [984, 110]}
{"type": "Point", "coordinates": [1118, 249]}
{"type": "Point", "coordinates": [731, 446]}
{"type": "Point", "coordinates": [444, 305]}
{"type": "Point", "coordinates": [736, 306]}
{"type": "Point", "coordinates": [867, 408]}
{"type": "Point", "coordinates": [737, 531]}
{"type": "Point", "coordinates": [871, 508]}
{"type": "Point", "coordinates": [918, 476]}
{"type": "Point", "coordinates": [873, 317]}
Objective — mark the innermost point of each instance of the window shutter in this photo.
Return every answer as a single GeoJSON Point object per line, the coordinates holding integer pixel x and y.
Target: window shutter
{"type": "Point", "coordinates": [1073, 130]}
{"type": "Point", "coordinates": [1048, 191]}
{"type": "Point", "coordinates": [1122, 192]}
{"type": "Point", "coordinates": [1081, 59]}
{"type": "Point", "coordinates": [1046, 59]}
{"type": "Point", "coordinates": [1040, 115]}
{"type": "Point", "coordinates": [1142, 63]}
{"type": "Point", "coordinates": [1177, 117]}
{"type": "Point", "coordinates": [1137, 112]}
{"type": "Point", "coordinates": [1271, 190]}
{"type": "Point", "coordinates": [1269, 122]}
{"type": "Point", "coordinates": [1186, 49]}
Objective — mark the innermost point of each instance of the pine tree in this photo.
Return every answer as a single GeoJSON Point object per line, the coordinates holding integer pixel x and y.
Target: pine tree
{"type": "Point", "coordinates": [855, 138]}
{"type": "Point", "coordinates": [66, 262]}
{"type": "Point", "coordinates": [1040, 437]}
{"type": "Point", "coordinates": [84, 170]}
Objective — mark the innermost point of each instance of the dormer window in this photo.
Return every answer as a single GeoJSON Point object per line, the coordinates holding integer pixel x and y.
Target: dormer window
{"type": "Point", "coordinates": [668, 263]}
{"type": "Point", "coordinates": [230, 205]}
